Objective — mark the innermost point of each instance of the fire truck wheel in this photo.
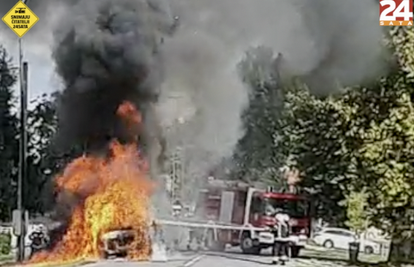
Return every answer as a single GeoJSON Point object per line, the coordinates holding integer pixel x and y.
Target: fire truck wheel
{"type": "Point", "coordinates": [247, 245]}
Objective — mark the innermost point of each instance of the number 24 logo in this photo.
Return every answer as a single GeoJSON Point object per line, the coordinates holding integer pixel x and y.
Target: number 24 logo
{"type": "Point", "coordinates": [402, 11]}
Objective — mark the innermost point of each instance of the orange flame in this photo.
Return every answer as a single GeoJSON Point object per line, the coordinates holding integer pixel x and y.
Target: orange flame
{"type": "Point", "coordinates": [116, 193]}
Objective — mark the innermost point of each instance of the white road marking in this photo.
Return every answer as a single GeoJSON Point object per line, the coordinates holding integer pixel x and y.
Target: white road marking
{"type": "Point", "coordinates": [193, 261]}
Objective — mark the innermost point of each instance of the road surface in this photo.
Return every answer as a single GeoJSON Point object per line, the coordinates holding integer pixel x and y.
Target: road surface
{"type": "Point", "coordinates": [229, 259]}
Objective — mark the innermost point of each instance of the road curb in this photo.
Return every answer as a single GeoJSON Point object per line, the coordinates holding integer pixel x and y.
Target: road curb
{"type": "Point", "coordinates": [315, 248]}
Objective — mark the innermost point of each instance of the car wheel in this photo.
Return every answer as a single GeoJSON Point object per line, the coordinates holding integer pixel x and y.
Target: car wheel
{"type": "Point", "coordinates": [328, 244]}
{"type": "Point", "coordinates": [369, 250]}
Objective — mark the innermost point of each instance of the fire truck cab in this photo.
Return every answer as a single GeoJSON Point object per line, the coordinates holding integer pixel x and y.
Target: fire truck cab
{"type": "Point", "coordinates": [247, 215]}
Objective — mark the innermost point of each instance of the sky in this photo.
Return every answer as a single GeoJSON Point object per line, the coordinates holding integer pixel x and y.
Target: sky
{"type": "Point", "coordinates": [42, 78]}
{"type": "Point", "coordinates": [41, 71]}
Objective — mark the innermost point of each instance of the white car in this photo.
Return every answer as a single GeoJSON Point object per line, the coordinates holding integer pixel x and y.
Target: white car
{"type": "Point", "coordinates": [340, 238]}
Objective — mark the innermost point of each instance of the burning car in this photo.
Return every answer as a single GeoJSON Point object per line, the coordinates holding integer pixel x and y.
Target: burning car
{"type": "Point", "coordinates": [116, 243]}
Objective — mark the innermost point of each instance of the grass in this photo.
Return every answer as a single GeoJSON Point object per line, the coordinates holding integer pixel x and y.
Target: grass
{"type": "Point", "coordinates": [72, 263]}
{"type": "Point", "coordinates": [338, 255]}
{"type": "Point", "coordinates": [4, 258]}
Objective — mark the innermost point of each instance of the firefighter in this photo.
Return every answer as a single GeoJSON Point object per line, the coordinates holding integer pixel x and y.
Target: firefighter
{"type": "Point", "coordinates": [280, 250]}
{"type": "Point", "coordinates": [39, 240]}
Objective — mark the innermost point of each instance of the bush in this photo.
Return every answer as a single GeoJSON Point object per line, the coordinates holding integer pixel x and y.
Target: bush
{"type": "Point", "coordinates": [5, 244]}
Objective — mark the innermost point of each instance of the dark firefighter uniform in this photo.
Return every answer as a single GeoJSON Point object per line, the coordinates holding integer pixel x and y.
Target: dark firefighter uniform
{"type": "Point", "coordinates": [39, 241]}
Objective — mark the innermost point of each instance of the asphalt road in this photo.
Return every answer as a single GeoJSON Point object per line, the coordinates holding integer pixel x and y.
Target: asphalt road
{"type": "Point", "coordinates": [196, 260]}
{"type": "Point", "coordinates": [234, 258]}
{"type": "Point", "coordinates": [210, 259]}
{"type": "Point", "coordinates": [216, 261]}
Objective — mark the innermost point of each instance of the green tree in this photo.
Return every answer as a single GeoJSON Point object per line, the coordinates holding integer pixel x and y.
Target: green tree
{"type": "Point", "coordinates": [312, 140]}
{"type": "Point", "coordinates": [42, 161]}
{"type": "Point", "coordinates": [362, 138]}
{"type": "Point", "coordinates": [387, 151]}
{"type": "Point", "coordinates": [256, 157]}
{"type": "Point", "coordinates": [9, 145]}
{"type": "Point", "coordinates": [385, 137]}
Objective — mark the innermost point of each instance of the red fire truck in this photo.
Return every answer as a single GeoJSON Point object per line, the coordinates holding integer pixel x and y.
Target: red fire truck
{"type": "Point", "coordinates": [238, 214]}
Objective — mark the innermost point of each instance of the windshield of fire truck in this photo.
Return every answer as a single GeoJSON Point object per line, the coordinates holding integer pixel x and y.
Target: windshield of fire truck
{"type": "Point", "coordinates": [295, 208]}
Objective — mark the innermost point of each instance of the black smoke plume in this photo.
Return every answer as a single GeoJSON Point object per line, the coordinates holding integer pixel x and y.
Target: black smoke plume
{"type": "Point", "coordinates": [107, 53]}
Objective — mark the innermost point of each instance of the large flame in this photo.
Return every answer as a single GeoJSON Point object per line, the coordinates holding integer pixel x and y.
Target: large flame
{"type": "Point", "coordinates": [115, 192]}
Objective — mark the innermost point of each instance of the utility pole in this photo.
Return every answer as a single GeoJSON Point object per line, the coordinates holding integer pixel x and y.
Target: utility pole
{"type": "Point", "coordinates": [23, 75]}
{"type": "Point", "coordinates": [182, 173]}
{"type": "Point", "coordinates": [22, 158]}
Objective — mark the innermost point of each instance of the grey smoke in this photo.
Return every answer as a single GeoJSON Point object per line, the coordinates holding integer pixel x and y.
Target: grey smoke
{"type": "Point", "coordinates": [325, 43]}
{"type": "Point", "coordinates": [191, 88]}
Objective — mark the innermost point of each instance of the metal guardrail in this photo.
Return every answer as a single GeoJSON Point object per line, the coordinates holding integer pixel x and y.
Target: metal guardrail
{"type": "Point", "coordinates": [195, 224]}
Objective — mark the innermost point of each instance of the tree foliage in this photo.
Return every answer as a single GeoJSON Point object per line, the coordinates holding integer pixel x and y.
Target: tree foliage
{"type": "Point", "coordinates": [312, 141]}
{"type": "Point", "coordinates": [9, 145]}
{"type": "Point", "coordinates": [42, 161]}
{"type": "Point", "coordinates": [360, 139]}
{"type": "Point", "coordinates": [256, 154]}
{"type": "Point", "coordinates": [385, 135]}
